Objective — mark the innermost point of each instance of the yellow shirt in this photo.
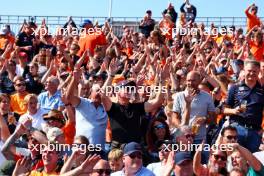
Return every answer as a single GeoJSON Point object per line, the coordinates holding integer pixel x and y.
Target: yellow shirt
{"type": "Point", "coordinates": [43, 173]}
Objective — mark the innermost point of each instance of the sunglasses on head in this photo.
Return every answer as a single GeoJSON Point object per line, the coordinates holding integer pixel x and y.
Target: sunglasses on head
{"type": "Point", "coordinates": [101, 171]}
{"type": "Point", "coordinates": [135, 155]}
{"type": "Point", "coordinates": [217, 157]}
{"type": "Point", "coordinates": [160, 126]}
{"type": "Point", "coordinates": [231, 137]}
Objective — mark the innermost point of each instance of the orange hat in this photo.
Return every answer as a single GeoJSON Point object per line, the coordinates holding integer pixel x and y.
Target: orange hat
{"type": "Point", "coordinates": [117, 79]}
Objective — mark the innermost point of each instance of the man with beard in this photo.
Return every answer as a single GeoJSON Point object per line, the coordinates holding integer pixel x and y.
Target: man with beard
{"type": "Point", "coordinates": [193, 107]}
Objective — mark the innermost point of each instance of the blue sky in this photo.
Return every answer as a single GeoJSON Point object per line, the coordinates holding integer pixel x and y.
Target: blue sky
{"type": "Point", "coordinates": [121, 8]}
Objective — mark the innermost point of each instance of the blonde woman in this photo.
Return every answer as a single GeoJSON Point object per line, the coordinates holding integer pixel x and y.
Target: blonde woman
{"type": "Point", "coordinates": [33, 112]}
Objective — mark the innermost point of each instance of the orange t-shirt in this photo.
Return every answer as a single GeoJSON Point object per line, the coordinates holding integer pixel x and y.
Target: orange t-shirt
{"type": "Point", "coordinates": [3, 42]}
{"type": "Point", "coordinates": [69, 132]}
{"type": "Point", "coordinates": [11, 39]}
{"type": "Point", "coordinates": [128, 51]}
{"type": "Point", "coordinates": [89, 42]}
{"type": "Point", "coordinates": [17, 103]}
{"type": "Point", "coordinates": [257, 51]}
{"type": "Point", "coordinates": [252, 20]}
{"type": "Point", "coordinates": [166, 29]}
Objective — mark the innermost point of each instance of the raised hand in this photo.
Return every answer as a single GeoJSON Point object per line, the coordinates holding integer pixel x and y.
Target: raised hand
{"type": "Point", "coordinates": [189, 97]}
{"type": "Point", "coordinates": [202, 71]}
{"type": "Point", "coordinates": [140, 79]}
{"type": "Point", "coordinates": [199, 120]}
{"type": "Point", "coordinates": [77, 74]}
{"type": "Point", "coordinates": [22, 167]}
{"type": "Point", "coordinates": [168, 167]}
{"type": "Point", "coordinates": [113, 67]}
{"type": "Point", "coordinates": [63, 97]}
{"type": "Point", "coordinates": [88, 165]}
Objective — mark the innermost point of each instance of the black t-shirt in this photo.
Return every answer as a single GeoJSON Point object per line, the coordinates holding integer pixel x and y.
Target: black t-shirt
{"type": "Point", "coordinates": [125, 122]}
{"type": "Point", "coordinates": [6, 85]}
{"type": "Point", "coordinates": [25, 40]}
{"type": "Point", "coordinates": [33, 84]}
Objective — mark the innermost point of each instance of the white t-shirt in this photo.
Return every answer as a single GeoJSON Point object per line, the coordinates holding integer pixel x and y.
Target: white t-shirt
{"type": "Point", "coordinates": [260, 156]}
{"type": "Point", "coordinates": [2, 157]}
{"type": "Point", "coordinates": [155, 168]}
{"type": "Point", "coordinates": [19, 70]}
{"type": "Point", "coordinates": [37, 119]}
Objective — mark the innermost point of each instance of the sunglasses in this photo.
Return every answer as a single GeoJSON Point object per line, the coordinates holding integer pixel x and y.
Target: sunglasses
{"type": "Point", "coordinates": [160, 126]}
{"type": "Point", "coordinates": [54, 119]}
{"type": "Point", "coordinates": [217, 157]}
{"type": "Point", "coordinates": [135, 155]}
{"type": "Point", "coordinates": [101, 171]}
{"type": "Point", "coordinates": [231, 137]}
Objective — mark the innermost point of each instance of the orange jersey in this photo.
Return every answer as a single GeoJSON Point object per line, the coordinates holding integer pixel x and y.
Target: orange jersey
{"type": "Point", "coordinates": [69, 131]}
{"type": "Point", "coordinates": [252, 20]}
{"type": "Point", "coordinates": [17, 103]}
{"type": "Point", "coordinates": [89, 42]}
{"type": "Point", "coordinates": [257, 51]}
{"type": "Point", "coordinates": [166, 29]}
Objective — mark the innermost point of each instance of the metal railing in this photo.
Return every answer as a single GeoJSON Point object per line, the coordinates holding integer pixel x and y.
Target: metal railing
{"type": "Point", "coordinates": [16, 21]}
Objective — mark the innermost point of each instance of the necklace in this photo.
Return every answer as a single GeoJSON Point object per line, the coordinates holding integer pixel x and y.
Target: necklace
{"type": "Point", "coordinates": [126, 112]}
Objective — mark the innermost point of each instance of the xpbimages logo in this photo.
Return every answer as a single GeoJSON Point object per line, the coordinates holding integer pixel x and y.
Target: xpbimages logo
{"type": "Point", "coordinates": [195, 31]}
{"type": "Point", "coordinates": [83, 148]}
{"type": "Point", "coordinates": [81, 32]}
{"type": "Point", "coordinates": [194, 147]}
{"type": "Point", "coordinates": [165, 31]}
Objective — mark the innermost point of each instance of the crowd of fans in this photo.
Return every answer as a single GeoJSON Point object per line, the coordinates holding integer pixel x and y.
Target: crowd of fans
{"type": "Point", "coordinates": [124, 104]}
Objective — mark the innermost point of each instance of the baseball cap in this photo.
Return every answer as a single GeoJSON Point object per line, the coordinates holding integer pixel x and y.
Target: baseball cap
{"type": "Point", "coordinates": [53, 133]}
{"type": "Point", "coordinates": [131, 148]}
{"type": "Point", "coordinates": [86, 22]}
{"type": "Point", "coordinates": [180, 157]}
